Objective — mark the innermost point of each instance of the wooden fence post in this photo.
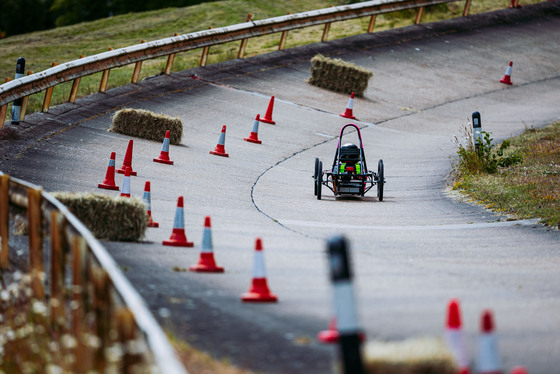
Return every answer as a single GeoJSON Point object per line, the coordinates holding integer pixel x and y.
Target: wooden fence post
{"type": "Point", "coordinates": [58, 302]}
{"type": "Point", "coordinates": [48, 95]}
{"type": "Point", "coordinates": [75, 86]}
{"type": "Point", "coordinates": [371, 23]}
{"type": "Point", "coordinates": [104, 78]}
{"type": "Point", "coordinates": [466, 8]}
{"type": "Point", "coordinates": [4, 220]}
{"type": "Point", "coordinates": [137, 67]}
{"type": "Point", "coordinates": [419, 14]}
{"type": "Point", "coordinates": [35, 230]}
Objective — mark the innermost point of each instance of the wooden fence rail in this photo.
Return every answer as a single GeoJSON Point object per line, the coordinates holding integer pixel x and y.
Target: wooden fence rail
{"type": "Point", "coordinates": [101, 301]}
{"type": "Point", "coordinates": [104, 62]}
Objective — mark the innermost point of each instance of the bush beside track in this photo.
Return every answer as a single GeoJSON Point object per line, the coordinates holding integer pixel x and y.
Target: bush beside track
{"type": "Point", "coordinates": [526, 189]}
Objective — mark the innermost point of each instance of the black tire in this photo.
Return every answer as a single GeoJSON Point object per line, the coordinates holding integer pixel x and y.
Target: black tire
{"type": "Point", "coordinates": [380, 180]}
{"type": "Point", "coordinates": [315, 175]}
{"type": "Point", "coordinates": [319, 183]}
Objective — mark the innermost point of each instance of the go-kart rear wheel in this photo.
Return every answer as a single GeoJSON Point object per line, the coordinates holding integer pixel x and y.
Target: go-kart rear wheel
{"type": "Point", "coordinates": [319, 180]}
{"type": "Point", "coordinates": [315, 175]}
{"type": "Point", "coordinates": [380, 180]}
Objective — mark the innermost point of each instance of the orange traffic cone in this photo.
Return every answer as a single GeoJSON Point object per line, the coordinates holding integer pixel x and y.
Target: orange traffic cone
{"type": "Point", "coordinates": [178, 237]}
{"type": "Point", "coordinates": [254, 136]}
{"type": "Point", "coordinates": [127, 163]}
{"type": "Point", "coordinates": [220, 149]}
{"type": "Point", "coordinates": [454, 336]}
{"type": "Point", "coordinates": [164, 154]}
{"type": "Point", "coordinates": [519, 370]}
{"type": "Point", "coordinates": [109, 181]}
{"type": "Point", "coordinates": [259, 291]}
{"type": "Point", "coordinates": [126, 184]}
{"type": "Point", "coordinates": [348, 113]}
{"type": "Point", "coordinates": [206, 262]}
{"type": "Point", "coordinates": [330, 335]}
{"type": "Point", "coordinates": [148, 202]}
{"type": "Point", "coordinates": [507, 77]}
{"type": "Point", "coordinates": [488, 360]}
{"type": "Point", "coordinates": [268, 116]}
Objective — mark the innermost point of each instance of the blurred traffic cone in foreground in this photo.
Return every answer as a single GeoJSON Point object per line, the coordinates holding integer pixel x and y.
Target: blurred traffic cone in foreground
{"type": "Point", "coordinates": [268, 115]}
{"type": "Point", "coordinates": [507, 77]}
{"type": "Point", "coordinates": [330, 335]}
{"type": "Point", "coordinates": [148, 202]}
{"type": "Point", "coordinates": [519, 370]}
{"type": "Point", "coordinates": [127, 163]}
{"type": "Point", "coordinates": [178, 237]}
{"type": "Point", "coordinates": [348, 113]}
{"type": "Point", "coordinates": [206, 262]}
{"type": "Point", "coordinates": [109, 181]}
{"type": "Point", "coordinates": [254, 135]}
{"type": "Point", "coordinates": [126, 184]}
{"type": "Point", "coordinates": [163, 157]}
{"type": "Point", "coordinates": [259, 291]}
{"type": "Point", "coordinates": [454, 338]}
{"type": "Point", "coordinates": [220, 149]}
{"type": "Point", "coordinates": [487, 359]}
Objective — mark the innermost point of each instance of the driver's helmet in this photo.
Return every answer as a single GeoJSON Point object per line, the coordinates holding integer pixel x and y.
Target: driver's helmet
{"type": "Point", "coordinates": [349, 153]}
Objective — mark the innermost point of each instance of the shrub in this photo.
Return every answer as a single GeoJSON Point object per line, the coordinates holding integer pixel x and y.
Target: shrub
{"type": "Point", "coordinates": [108, 218]}
{"type": "Point", "coordinates": [148, 125]}
{"type": "Point", "coordinates": [338, 75]}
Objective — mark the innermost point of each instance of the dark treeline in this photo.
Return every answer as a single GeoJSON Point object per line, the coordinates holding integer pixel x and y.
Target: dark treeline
{"type": "Point", "coordinates": [22, 16]}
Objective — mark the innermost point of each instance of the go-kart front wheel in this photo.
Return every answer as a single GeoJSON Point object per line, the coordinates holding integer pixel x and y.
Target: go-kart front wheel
{"type": "Point", "coordinates": [380, 180]}
{"type": "Point", "coordinates": [319, 180]}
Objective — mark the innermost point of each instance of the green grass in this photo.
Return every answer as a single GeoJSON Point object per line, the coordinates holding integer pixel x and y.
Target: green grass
{"type": "Point", "coordinates": [64, 44]}
{"type": "Point", "coordinates": [530, 189]}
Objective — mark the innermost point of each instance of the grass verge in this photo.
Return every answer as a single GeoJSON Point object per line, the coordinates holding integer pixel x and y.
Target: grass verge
{"type": "Point", "coordinates": [200, 362]}
{"type": "Point", "coordinates": [527, 189]}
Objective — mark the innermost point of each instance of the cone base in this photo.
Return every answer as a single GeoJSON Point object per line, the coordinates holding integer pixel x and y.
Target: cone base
{"type": "Point", "coordinates": [153, 224]}
{"type": "Point", "coordinates": [108, 186]}
{"type": "Point", "coordinates": [163, 161]}
{"type": "Point", "coordinates": [206, 269]}
{"type": "Point", "coordinates": [178, 243]}
{"type": "Point", "coordinates": [346, 115]}
{"type": "Point", "coordinates": [328, 336]}
{"type": "Point", "coordinates": [218, 153]}
{"type": "Point", "coordinates": [125, 195]}
{"type": "Point", "coordinates": [506, 81]}
{"type": "Point", "coordinates": [252, 140]}
{"type": "Point", "coordinates": [253, 297]}
{"type": "Point", "coordinates": [132, 173]}
{"type": "Point", "coordinates": [267, 120]}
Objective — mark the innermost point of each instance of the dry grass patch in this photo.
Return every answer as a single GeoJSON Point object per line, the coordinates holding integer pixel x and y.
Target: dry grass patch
{"type": "Point", "coordinates": [338, 75]}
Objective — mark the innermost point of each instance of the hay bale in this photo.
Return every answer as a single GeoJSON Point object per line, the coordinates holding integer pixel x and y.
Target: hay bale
{"type": "Point", "coordinates": [148, 125]}
{"type": "Point", "coordinates": [412, 356]}
{"type": "Point", "coordinates": [338, 75]}
{"type": "Point", "coordinates": [108, 218]}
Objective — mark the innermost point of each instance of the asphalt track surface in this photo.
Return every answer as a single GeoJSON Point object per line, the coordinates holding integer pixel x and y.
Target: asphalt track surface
{"type": "Point", "coordinates": [411, 253]}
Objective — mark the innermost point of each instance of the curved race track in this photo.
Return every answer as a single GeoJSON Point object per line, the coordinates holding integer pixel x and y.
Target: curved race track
{"type": "Point", "coordinates": [412, 252]}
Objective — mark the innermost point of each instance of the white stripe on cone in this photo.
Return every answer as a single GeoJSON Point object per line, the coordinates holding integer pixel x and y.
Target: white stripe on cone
{"type": "Point", "coordinates": [488, 359]}
{"type": "Point", "coordinates": [206, 241]}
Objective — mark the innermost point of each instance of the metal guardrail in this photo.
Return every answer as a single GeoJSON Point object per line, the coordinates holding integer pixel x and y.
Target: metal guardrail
{"type": "Point", "coordinates": [104, 62]}
{"type": "Point", "coordinates": [100, 294]}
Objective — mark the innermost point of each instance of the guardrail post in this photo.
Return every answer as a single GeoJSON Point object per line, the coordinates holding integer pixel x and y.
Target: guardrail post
{"type": "Point", "coordinates": [283, 38]}
{"type": "Point", "coordinates": [3, 110]}
{"type": "Point", "coordinates": [102, 309]}
{"type": "Point", "coordinates": [466, 8]}
{"type": "Point", "coordinates": [48, 95]}
{"type": "Point", "coordinates": [4, 220]}
{"type": "Point", "coordinates": [24, 102]}
{"type": "Point", "coordinates": [326, 32]}
{"type": "Point", "coordinates": [137, 67]}
{"type": "Point", "coordinates": [77, 305]}
{"type": "Point", "coordinates": [104, 77]}
{"type": "Point", "coordinates": [419, 14]}
{"type": "Point", "coordinates": [57, 309]}
{"type": "Point", "coordinates": [371, 23]}
{"type": "Point", "coordinates": [75, 86]}
{"type": "Point", "coordinates": [170, 60]}
{"type": "Point", "coordinates": [243, 44]}
{"type": "Point", "coordinates": [35, 231]}
{"type": "Point", "coordinates": [126, 328]}
{"type": "Point", "coordinates": [204, 56]}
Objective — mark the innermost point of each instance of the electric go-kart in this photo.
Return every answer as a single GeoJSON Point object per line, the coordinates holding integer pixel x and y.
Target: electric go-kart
{"type": "Point", "coordinates": [349, 174]}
